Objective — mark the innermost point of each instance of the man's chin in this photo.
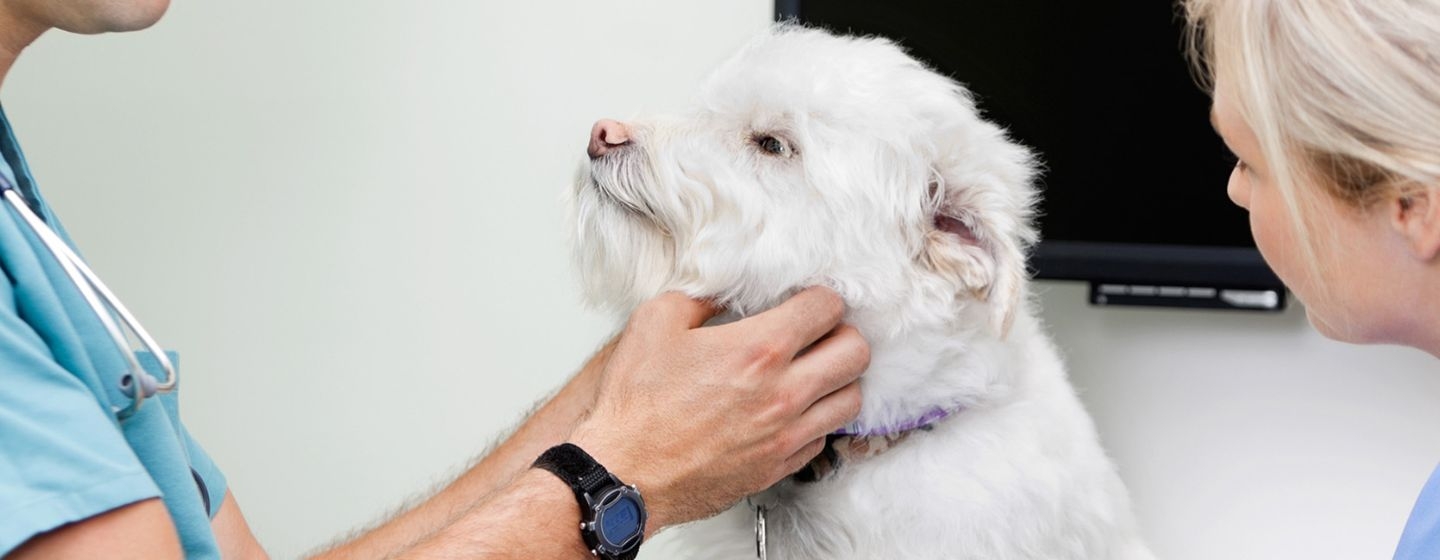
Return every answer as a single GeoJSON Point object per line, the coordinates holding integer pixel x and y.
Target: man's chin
{"type": "Point", "coordinates": [114, 16]}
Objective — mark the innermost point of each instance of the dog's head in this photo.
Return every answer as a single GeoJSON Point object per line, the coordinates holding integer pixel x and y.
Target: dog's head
{"type": "Point", "coordinates": [810, 159]}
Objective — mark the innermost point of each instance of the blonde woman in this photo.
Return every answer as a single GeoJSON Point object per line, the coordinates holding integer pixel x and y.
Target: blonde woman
{"type": "Point", "coordinates": [1332, 109]}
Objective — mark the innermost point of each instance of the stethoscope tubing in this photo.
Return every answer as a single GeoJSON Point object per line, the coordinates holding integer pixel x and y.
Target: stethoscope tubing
{"type": "Point", "coordinates": [138, 384]}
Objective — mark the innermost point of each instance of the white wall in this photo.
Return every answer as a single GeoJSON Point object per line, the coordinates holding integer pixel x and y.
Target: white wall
{"type": "Point", "coordinates": [1250, 436]}
{"type": "Point", "coordinates": [346, 216]}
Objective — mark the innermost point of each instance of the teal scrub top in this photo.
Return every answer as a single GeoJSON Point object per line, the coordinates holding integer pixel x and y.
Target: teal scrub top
{"type": "Point", "coordinates": [64, 454]}
{"type": "Point", "coordinates": [1421, 539]}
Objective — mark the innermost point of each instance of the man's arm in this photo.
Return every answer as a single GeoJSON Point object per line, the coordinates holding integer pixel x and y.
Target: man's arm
{"type": "Point", "coordinates": [139, 530]}
{"type": "Point", "coordinates": [696, 417]}
{"type": "Point", "coordinates": [535, 516]}
{"type": "Point", "coordinates": [233, 534]}
{"type": "Point", "coordinates": [548, 426]}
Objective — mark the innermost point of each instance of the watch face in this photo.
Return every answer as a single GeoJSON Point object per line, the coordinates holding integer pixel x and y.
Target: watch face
{"type": "Point", "coordinates": [620, 522]}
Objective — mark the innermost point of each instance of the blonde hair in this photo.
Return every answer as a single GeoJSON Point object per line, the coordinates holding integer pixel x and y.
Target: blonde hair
{"type": "Point", "coordinates": [1343, 95]}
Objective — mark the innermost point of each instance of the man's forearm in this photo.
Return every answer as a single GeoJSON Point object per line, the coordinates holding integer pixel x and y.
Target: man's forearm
{"type": "Point", "coordinates": [535, 516]}
{"type": "Point", "coordinates": [548, 426]}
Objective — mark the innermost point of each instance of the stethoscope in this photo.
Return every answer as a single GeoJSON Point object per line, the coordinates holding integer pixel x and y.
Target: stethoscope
{"type": "Point", "coordinates": [138, 385]}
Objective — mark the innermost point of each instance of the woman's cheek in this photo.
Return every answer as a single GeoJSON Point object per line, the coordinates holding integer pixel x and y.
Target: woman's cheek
{"type": "Point", "coordinates": [1274, 236]}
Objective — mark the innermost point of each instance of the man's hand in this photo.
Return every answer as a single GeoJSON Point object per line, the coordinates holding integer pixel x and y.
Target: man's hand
{"type": "Point", "coordinates": [699, 417]}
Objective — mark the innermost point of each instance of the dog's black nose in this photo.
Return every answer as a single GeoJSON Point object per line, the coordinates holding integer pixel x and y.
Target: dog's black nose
{"type": "Point", "coordinates": [605, 136]}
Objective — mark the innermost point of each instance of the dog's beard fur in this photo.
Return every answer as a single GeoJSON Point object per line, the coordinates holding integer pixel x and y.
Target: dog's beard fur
{"type": "Point", "coordinates": [627, 253]}
{"type": "Point", "coordinates": [891, 190]}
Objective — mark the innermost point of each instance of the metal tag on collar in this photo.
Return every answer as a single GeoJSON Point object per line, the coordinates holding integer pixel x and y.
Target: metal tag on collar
{"type": "Point", "coordinates": [760, 532]}
{"type": "Point", "coordinates": [759, 527]}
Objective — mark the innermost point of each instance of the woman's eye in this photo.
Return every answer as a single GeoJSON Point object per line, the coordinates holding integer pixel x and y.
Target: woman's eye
{"type": "Point", "coordinates": [771, 145]}
{"type": "Point", "coordinates": [1237, 163]}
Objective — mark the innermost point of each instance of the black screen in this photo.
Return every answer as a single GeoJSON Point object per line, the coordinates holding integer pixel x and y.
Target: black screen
{"type": "Point", "coordinates": [1101, 90]}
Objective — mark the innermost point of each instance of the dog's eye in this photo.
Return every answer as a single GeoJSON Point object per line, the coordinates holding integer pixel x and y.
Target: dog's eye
{"type": "Point", "coordinates": [772, 145]}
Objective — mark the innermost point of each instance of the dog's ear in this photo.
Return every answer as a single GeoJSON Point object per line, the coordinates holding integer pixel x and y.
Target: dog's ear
{"type": "Point", "coordinates": [980, 201]}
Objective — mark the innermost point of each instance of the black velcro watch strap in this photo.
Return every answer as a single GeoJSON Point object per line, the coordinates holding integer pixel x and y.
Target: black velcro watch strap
{"type": "Point", "coordinates": [576, 467]}
{"type": "Point", "coordinates": [585, 476]}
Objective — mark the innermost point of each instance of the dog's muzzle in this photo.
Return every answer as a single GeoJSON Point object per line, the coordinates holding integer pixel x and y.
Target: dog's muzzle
{"type": "Point", "coordinates": [619, 178]}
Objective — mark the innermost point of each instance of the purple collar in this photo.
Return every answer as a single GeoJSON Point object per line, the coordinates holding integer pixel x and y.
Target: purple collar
{"type": "Point", "coordinates": [854, 442]}
{"type": "Point", "coordinates": [932, 416]}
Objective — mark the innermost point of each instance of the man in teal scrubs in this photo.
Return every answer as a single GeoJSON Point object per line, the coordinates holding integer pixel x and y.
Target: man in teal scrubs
{"type": "Point", "coordinates": [79, 481]}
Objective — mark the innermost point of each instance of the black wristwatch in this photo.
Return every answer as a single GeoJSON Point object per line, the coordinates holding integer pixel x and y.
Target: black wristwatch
{"type": "Point", "coordinates": [612, 514]}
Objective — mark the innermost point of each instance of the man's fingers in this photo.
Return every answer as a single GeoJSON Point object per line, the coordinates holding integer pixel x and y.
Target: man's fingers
{"type": "Point", "coordinates": [800, 320]}
{"type": "Point", "coordinates": [834, 362]}
{"type": "Point", "coordinates": [677, 310]}
{"type": "Point", "coordinates": [830, 413]}
{"type": "Point", "coordinates": [803, 457]}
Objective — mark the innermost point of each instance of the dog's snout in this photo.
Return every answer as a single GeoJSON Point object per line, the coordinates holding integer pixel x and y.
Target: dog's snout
{"type": "Point", "coordinates": [607, 135]}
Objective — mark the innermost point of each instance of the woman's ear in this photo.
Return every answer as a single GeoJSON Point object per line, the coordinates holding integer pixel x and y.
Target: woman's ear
{"type": "Point", "coordinates": [981, 199]}
{"type": "Point", "coordinates": [1415, 215]}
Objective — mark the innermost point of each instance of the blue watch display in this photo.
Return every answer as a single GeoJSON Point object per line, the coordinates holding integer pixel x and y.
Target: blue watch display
{"type": "Point", "coordinates": [618, 522]}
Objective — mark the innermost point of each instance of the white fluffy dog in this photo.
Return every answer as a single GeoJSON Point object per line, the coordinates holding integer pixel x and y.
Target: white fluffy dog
{"type": "Point", "coordinates": [816, 159]}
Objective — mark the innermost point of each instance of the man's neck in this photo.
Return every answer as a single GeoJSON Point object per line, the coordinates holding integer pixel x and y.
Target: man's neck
{"type": "Point", "coordinates": [17, 31]}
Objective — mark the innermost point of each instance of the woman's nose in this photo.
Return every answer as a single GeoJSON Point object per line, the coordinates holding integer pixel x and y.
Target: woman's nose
{"type": "Point", "coordinates": [1239, 189]}
{"type": "Point", "coordinates": [605, 136]}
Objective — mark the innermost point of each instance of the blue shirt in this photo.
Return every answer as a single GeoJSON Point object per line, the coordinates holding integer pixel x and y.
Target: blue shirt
{"type": "Point", "coordinates": [64, 454]}
{"type": "Point", "coordinates": [1421, 539]}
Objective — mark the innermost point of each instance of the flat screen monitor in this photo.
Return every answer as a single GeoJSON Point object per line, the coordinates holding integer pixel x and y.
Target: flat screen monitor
{"type": "Point", "coordinates": [1134, 177]}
